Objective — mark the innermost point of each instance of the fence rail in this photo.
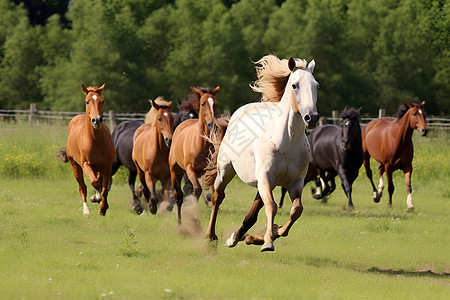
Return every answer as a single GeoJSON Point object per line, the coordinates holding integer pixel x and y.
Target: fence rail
{"type": "Point", "coordinates": [33, 115]}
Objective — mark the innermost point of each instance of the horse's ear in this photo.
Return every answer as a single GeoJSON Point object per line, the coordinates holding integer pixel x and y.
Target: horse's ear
{"type": "Point", "coordinates": [359, 109]}
{"type": "Point", "coordinates": [200, 92]}
{"type": "Point", "coordinates": [410, 104]}
{"type": "Point", "coordinates": [291, 64]}
{"type": "Point", "coordinates": [169, 105]}
{"type": "Point", "coordinates": [85, 91]}
{"type": "Point", "coordinates": [422, 104]}
{"type": "Point", "coordinates": [155, 105]}
{"type": "Point", "coordinates": [312, 65]}
{"type": "Point", "coordinates": [216, 90]}
{"type": "Point", "coordinates": [100, 89]}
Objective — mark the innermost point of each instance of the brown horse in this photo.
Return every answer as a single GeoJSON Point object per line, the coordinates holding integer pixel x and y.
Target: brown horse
{"type": "Point", "coordinates": [190, 149]}
{"type": "Point", "coordinates": [388, 141]}
{"type": "Point", "coordinates": [90, 148]}
{"type": "Point", "coordinates": [151, 144]}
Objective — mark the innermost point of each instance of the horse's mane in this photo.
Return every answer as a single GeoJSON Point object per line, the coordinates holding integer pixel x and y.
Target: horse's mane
{"type": "Point", "coordinates": [272, 76]}
{"type": "Point", "coordinates": [350, 113]}
{"type": "Point", "coordinates": [401, 111]}
{"type": "Point", "coordinates": [151, 114]}
{"type": "Point", "coordinates": [193, 101]}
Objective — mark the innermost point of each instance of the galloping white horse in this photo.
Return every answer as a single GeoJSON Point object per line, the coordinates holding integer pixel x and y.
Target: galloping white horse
{"type": "Point", "coordinates": [265, 144]}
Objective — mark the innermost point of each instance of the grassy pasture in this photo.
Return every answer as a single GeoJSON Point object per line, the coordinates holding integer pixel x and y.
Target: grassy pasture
{"type": "Point", "coordinates": [49, 250]}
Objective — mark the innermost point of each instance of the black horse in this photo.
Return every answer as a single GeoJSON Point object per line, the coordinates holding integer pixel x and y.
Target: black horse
{"type": "Point", "coordinates": [336, 150]}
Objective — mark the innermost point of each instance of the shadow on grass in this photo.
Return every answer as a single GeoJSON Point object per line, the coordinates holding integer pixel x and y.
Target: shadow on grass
{"type": "Point", "coordinates": [425, 273]}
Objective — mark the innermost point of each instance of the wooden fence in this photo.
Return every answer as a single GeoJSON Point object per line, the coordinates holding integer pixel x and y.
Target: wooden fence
{"type": "Point", "coordinates": [34, 115]}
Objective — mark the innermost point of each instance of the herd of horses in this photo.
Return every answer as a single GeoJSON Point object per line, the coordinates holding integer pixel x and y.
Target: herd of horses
{"type": "Point", "coordinates": [264, 143]}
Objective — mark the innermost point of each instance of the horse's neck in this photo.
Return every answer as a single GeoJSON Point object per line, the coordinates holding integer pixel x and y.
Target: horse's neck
{"type": "Point", "coordinates": [94, 134]}
{"type": "Point", "coordinates": [402, 129]}
{"type": "Point", "coordinates": [289, 124]}
{"type": "Point", "coordinates": [158, 139]}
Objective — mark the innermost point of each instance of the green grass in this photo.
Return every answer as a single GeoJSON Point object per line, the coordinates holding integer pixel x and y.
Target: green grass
{"type": "Point", "coordinates": [49, 250]}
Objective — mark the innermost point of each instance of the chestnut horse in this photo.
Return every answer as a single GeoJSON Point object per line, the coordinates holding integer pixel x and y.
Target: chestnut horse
{"type": "Point", "coordinates": [190, 149]}
{"type": "Point", "coordinates": [388, 141]}
{"type": "Point", "coordinates": [90, 148]}
{"type": "Point", "coordinates": [151, 144]}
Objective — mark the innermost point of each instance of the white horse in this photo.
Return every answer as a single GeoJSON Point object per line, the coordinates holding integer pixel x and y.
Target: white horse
{"type": "Point", "coordinates": [265, 144]}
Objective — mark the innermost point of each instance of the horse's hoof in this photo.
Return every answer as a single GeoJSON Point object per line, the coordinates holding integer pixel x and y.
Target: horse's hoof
{"type": "Point", "coordinates": [231, 241]}
{"type": "Point", "coordinates": [267, 247]}
{"type": "Point", "coordinates": [138, 210]}
{"type": "Point", "coordinates": [410, 209]}
{"type": "Point", "coordinates": [153, 209]}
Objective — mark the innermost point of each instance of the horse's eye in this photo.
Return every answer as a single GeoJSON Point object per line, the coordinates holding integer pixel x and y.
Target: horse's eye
{"type": "Point", "coordinates": [294, 86]}
{"type": "Point", "coordinates": [203, 104]}
{"type": "Point", "coordinates": [87, 103]}
{"type": "Point", "coordinates": [159, 119]}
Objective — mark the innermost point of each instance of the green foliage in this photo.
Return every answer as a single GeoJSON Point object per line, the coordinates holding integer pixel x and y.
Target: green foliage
{"type": "Point", "coordinates": [374, 53]}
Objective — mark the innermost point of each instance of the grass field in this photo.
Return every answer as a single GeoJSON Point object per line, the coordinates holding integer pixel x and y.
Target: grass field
{"type": "Point", "coordinates": [48, 250]}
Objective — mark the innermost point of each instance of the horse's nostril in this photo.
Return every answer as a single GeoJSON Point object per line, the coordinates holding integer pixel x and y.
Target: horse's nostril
{"type": "Point", "coordinates": [307, 118]}
{"type": "Point", "coordinates": [101, 119]}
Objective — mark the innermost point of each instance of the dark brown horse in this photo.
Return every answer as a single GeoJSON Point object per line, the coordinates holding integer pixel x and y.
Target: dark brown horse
{"type": "Point", "coordinates": [90, 148]}
{"type": "Point", "coordinates": [151, 144]}
{"type": "Point", "coordinates": [388, 141]}
{"type": "Point", "coordinates": [190, 149]}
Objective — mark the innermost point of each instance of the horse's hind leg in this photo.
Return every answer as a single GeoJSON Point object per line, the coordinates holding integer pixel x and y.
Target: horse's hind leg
{"type": "Point", "coordinates": [283, 194]}
{"type": "Point", "coordinates": [136, 201]}
{"type": "Point", "coordinates": [176, 174]}
{"type": "Point", "coordinates": [249, 220]}
{"type": "Point", "coordinates": [78, 172]}
{"type": "Point", "coordinates": [145, 190]}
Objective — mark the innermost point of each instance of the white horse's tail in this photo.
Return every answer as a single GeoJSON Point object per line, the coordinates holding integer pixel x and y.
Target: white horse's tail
{"type": "Point", "coordinates": [215, 139]}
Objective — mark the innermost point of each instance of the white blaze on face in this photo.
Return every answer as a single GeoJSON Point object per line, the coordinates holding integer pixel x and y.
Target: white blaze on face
{"type": "Point", "coordinates": [94, 97]}
{"type": "Point", "coordinates": [211, 103]}
{"type": "Point", "coordinates": [165, 114]}
{"type": "Point", "coordinates": [420, 111]}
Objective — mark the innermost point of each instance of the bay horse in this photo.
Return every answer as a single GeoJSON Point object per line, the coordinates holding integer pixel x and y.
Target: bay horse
{"type": "Point", "coordinates": [266, 146]}
{"type": "Point", "coordinates": [90, 148]}
{"type": "Point", "coordinates": [151, 143]}
{"type": "Point", "coordinates": [190, 149]}
{"type": "Point", "coordinates": [123, 144]}
{"type": "Point", "coordinates": [389, 142]}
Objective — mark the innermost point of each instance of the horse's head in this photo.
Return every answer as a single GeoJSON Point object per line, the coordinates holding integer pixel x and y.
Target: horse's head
{"type": "Point", "coordinates": [208, 106]}
{"type": "Point", "coordinates": [350, 128]}
{"type": "Point", "coordinates": [94, 104]}
{"type": "Point", "coordinates": [304, 87]}
{"type": "Point", "coordinates": [417, 117]}
{"type": "Point", "coordinates": [164, 119]}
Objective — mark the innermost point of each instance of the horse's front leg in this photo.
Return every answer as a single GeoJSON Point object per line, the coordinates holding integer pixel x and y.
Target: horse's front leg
{"type": "Point", "coordinates": [190, 172]}
{"type": "Point", "coordinates": [105, 178]}
{"type": "Point", "coordinates": [376, 197]}
{"type": "Point", "coordinates": [391, 187]}
{"type": "Point", "coordinates": [136, 201]}
{"type": "Point", "coordinates": [176, 174]}
{"type": "Point", "coordinates": [249, 220]}
{"type": "Point", "coordinates": [346, 186]}
{"type": "Point", "coordinates": [409, 201]}
{"type": "Point", "coordinates": [295, 192]}
{"type": "Point", "coordinates": [94, 178]}
{"type": "Point", "coordinates": [265, 190]}
{"type": "Point", "coordinates": [78, 172]}
{"type": "Point", "coordinates": [150, 181]}
{"type": "Point", "coordinates": [167, 186]}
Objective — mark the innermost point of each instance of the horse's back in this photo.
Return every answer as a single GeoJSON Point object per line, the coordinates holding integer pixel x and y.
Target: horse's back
{"type": "Point", "coordinates": [182, 142]}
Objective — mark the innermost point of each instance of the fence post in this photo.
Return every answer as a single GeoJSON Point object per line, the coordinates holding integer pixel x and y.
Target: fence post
{"type": "Point", "coordinates": [335, 116]}
{"type": "Point", "coordinates": [381, 113]}
{"type": "Point", "coordinates": [32, 112]}
{"type": "Point", "coordinates": [322, 121]}
{"type": "Point", "coordinates": [112, 120]}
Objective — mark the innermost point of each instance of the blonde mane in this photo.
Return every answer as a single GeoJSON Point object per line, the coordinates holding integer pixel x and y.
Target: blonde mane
{"type": "Point", "coordinates": [273, 75]}
{"type": "Point", "coordinates": [150, 116]}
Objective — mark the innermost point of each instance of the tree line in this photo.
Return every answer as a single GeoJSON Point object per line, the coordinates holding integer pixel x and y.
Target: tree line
{"type": "Point", "coordinates": [368, 53]}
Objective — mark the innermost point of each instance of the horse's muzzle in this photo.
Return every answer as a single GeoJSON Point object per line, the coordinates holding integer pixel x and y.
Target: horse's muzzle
{"type": "Point", "coordinates": [423, 131]}
{"type": "Point", "coordinates": [168, 141]}
{"type": "Point", "coordinates": [311, 120]}
{"type": "Point", "coordinates": [97, 122]}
